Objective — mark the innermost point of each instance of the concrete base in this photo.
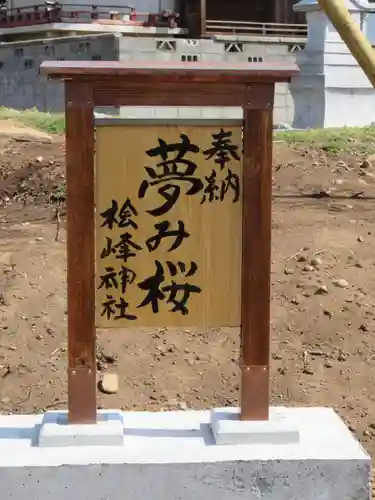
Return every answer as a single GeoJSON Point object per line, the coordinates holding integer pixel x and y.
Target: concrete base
{"type": "Point", "coordinates": [55, 431]}
{"type": "Point", "coordinates": [173, 455]}
{"type": "Point", "coordinates": [227, 428]}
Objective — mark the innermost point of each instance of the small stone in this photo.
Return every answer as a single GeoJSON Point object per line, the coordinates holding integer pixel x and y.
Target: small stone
{"type": "Point", "coordinates": [366, 433]}
{"type": "Point", "coordinates": [366, 164]}
{"type": "Point", "coordinates": [308, 268]}
{"type": "Point", "coordinates": [328, 364]}
{"type": "Point", "coordinates": [288, 271]}
{"type": "Point", "coordinates": [308, 371]}
{"type": "Point", "coordinates": [296, 301]}
{"type": "Point", "coordinates": [316, 352]}
{"type": "Point", "coordinates": [39, 159]}
{"type": "Point", "coordinates": [322, 290]}
{"type": "Point", "coordinates": [341, 283]}
{"type": "Point", "coordinates": [372, 426]}
{"type": "Point", "coordinates": [301, 258]}
{"type": "Point", "coordinates": [360, 239]}
{"type": "Point", "coordinates": [341, 357]}
{"type": "Point", "coordinates": [364, 328]}
{"type": "Point", "coordinates": [316, 262]}
{"type": "Point", "coordinates": [183, 405]}
{"type": "Point", "coordinates": [109, 383]}
{"type": "Point", "coordinates": [277, 357]}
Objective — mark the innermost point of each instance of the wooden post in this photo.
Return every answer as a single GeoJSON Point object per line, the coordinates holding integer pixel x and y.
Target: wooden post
{"type": "Point", "coordinates": [81, 252]}
{"type": "Point", "coordinates": [256, 263]}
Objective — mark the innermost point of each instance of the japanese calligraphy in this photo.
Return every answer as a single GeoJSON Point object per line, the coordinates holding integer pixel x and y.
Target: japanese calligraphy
{"type": "Point", "coordinates": [174, 292]}
{"type": "Point", "coordinates": [170, 172]}
{"type": "Point", "coordinates": [222, 151]}
{"type": "Point", "coordinates": [168, 226]}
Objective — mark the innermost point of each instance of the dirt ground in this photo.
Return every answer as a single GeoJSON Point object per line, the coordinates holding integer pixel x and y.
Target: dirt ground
{"type": "Point", "coordinates": [323, 296]}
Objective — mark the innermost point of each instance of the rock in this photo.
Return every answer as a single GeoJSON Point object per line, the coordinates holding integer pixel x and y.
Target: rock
{"type": "Point", "coordinates": [322, 290]}
{"type": "Point", "coordinates": [296, 301]}
{"type": "Point", "coordinates": [341, 357]}
{"type": "Point", "coordinates": [183, 405]}
{"type": "Point", "coordinates": [308, 371]}
{"type": "Point", "coordinates": [308, 268]}
{"type": "Point", "coordinates": [366, 164]}
{"type": "Point", "coordinates": [328, 364]}
{"type": "Point", "coordinates": [341, 283]}
{"type": "Point", "coordinates": [277, 357]}
{"type": "Point", "coordinates": [316, 352]}
{"type": "Point", "coordinates": [109, 383]}
{"type": "Point", "coordinates": [360, 239]}
{"type": "Point", "coordinates": [288, 271]}
{"type": "Point", "coordinates": [316, 262]}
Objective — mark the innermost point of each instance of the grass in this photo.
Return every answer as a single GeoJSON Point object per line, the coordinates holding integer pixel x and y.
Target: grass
{"type": "Point", "coordinates": [52, 123]}
{"type": "Point", "coordinates": [356, 140]}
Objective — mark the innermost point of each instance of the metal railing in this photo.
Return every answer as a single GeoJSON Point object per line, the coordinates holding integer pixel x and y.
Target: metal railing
{"type": "Point", "coordinates": [255, 29]}
{"type": "Point", "coordinates": [72, 13]}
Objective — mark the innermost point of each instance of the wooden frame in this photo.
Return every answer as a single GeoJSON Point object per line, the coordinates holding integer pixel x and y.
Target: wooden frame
{"type": "Point", "coordinates": [250, 86]}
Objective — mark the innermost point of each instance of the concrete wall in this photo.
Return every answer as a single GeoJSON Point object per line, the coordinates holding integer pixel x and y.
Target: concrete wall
{"type": "Point", "coordinates": [22, 87]}
{"type": "Point", "coordinates": [217, 50]}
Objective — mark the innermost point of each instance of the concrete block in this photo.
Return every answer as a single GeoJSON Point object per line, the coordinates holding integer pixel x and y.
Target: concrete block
{"type": "Point", "coordinates": [189, 112]}
{"type": "Point", "coordinates": [212, 57]}
{"type": "Point", "coordinates": [143, 112]}
{"type": "Point", "coordinates": [127, 56]}
{"type": "Point", "coordinates": [166, 112]}
{"type": "Point", "coordinates": [282, 88]}
{"type": "Point", "coordinates": [173, 455]}
{"type": "Point", "coordinates": [227, 428]}
{"type": "Point", "coordinates": [188, 46]}
{"type": "Point", "coordinates": [55, 431]}
{"type": "Point", "coordinates": [211, 47]}
{"type": "Point", "coordinates": [138, 44]}
{"type": "Point", "coordinates": [277, 49]}
{"type": "Point", "coordinates": [280, 100]}
{"type": "Point", "coordinates": [223, 112]}
{"type": "Point", "coordinates": [254, 49]}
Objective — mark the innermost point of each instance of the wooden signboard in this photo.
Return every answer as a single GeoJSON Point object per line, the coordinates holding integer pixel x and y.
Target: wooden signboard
{"type": "Point", "coordinates": [168, 224]}
{"type": "Point", "coordinates": [202, 256]}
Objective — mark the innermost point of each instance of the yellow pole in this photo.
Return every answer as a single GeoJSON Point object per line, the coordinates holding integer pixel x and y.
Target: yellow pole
{"type": "Point", "coordinates": [351, 34]}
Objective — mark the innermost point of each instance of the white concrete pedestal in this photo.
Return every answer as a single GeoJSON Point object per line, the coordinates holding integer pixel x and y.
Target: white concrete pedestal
{"type": "Point", "coordinates": [56, 432]}
{"type": "Point", "coordinates": [227, 428]}
{"type": "Point", "coordinates": [174, 456]}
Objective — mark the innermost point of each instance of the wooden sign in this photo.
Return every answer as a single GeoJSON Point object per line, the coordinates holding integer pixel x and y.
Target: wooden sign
{"type": "Point", "coordinates": [180, 230]}
{"type": "Point", "coordinates": [168, 224]}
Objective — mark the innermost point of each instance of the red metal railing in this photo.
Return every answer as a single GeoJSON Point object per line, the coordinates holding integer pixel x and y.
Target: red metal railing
{"type": "Point", "coordinates": [48, 13]}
